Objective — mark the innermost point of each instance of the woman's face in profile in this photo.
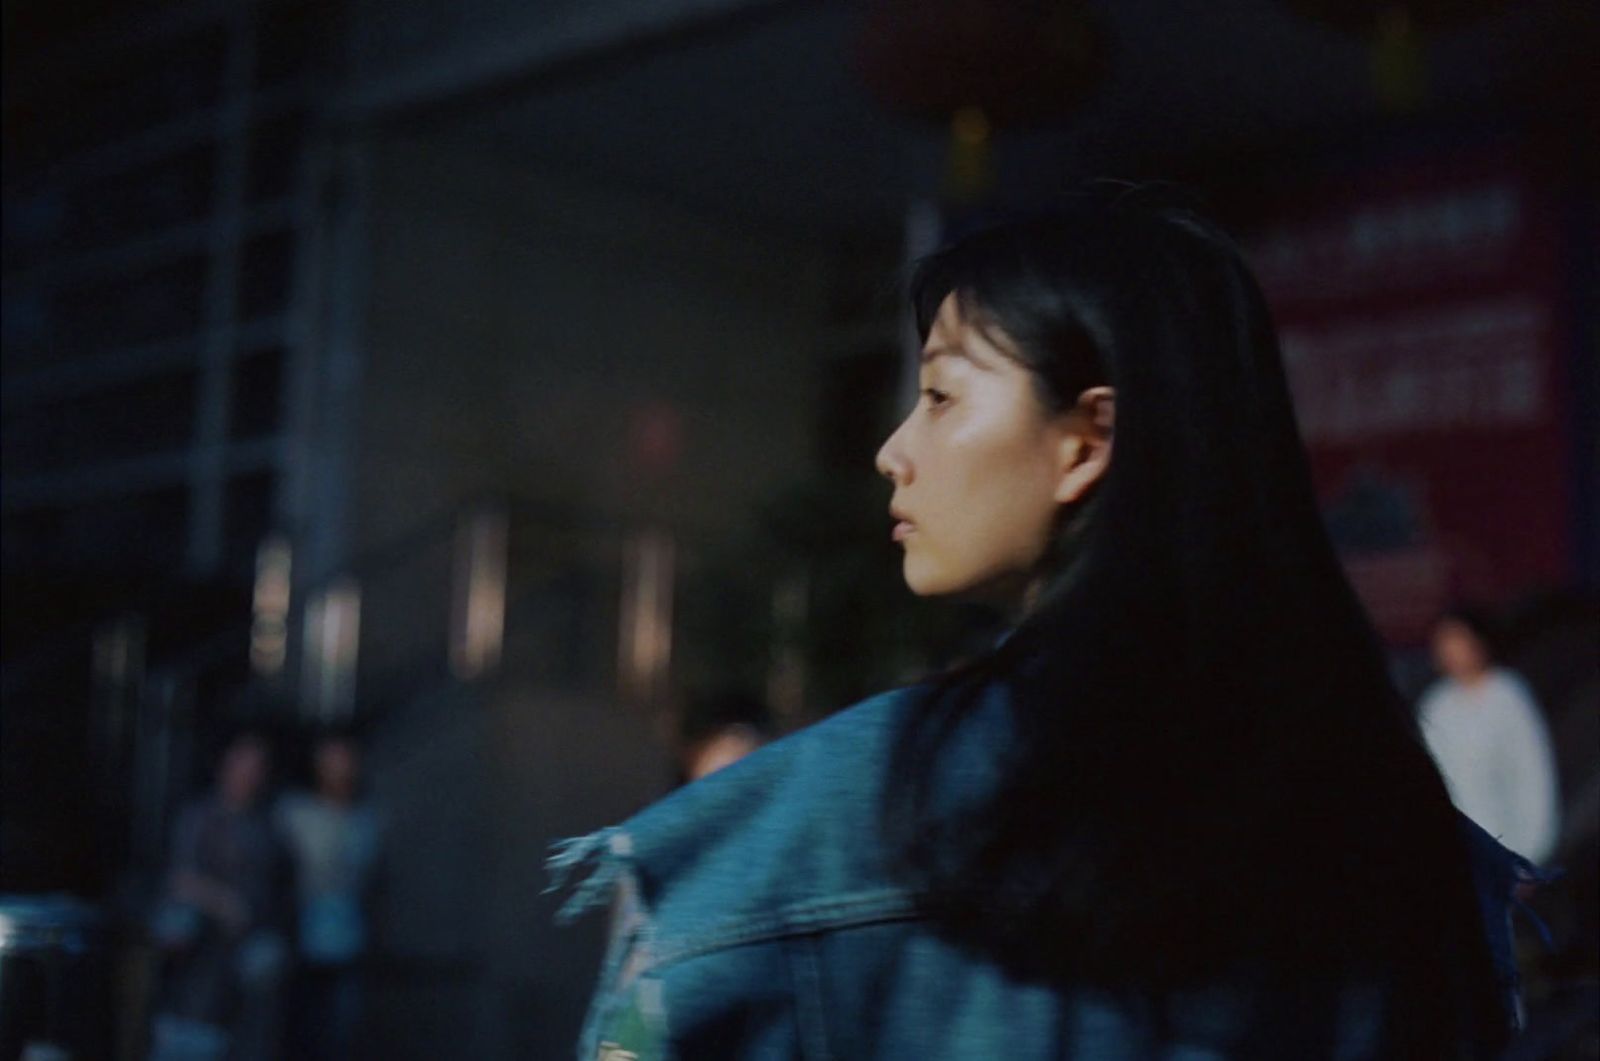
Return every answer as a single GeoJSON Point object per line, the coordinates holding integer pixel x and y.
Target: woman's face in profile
{"type": "Point", "coordinates": [979, 466]}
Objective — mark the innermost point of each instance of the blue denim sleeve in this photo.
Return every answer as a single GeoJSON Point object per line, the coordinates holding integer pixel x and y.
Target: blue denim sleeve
{"type": "Point", "coordinates": [1496, 874]}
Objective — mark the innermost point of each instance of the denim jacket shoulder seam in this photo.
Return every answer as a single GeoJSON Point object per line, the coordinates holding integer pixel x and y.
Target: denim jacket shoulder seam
{"type": "Point", "coordinates": [796, 919]}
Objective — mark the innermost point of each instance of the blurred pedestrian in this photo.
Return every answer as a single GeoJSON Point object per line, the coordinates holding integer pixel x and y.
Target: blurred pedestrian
{"type": "Point", "coordinates": [1489, 737]}
{"type": "Point", "coordinates": [334, 835]}
{"type": "Point", "coordinates": [718, 730]}
{"type": "Point", "coordinates": [1179, 810]}
{"type": "Point", "coordinates": [220, 923]}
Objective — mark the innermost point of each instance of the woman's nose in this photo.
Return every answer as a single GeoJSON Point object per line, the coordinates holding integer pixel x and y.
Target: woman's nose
{"type": "Point", "coordinates": [892, 463]}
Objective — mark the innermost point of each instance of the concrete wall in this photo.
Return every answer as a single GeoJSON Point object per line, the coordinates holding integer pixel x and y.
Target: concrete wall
{"type": "Point", "coordinates": [518, 323]}
{"type": "Point", "coordinates": [475, 785]}
{"type": "Point", "coordinates": [519, 330]}
{"type": "Point", "coordinates": [516, 326]}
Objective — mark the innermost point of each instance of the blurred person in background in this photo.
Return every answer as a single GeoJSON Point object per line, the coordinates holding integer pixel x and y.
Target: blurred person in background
{"type": "Point", "coordinates": [334, 836]}
{"type": "Point", "coordinates": [221, 921]}
{"type": "Point", "coordinates": [719, 730]}
{"type": "Point", "coordinates": [1490, 740]}
{"type": "Point", "coordinates": [1178, 809]}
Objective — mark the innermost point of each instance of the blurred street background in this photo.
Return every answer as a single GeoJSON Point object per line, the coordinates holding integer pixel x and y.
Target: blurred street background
{"type": "Point", "coordinates": [490, 390]}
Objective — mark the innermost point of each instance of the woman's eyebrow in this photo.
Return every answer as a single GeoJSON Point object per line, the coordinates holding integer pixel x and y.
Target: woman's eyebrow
{"type": "Point", "coordinates": [933, 353]}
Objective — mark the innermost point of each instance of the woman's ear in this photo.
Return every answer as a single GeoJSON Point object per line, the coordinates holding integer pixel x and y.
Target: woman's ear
{"type": "Point", "coordinates": [1086, 443]}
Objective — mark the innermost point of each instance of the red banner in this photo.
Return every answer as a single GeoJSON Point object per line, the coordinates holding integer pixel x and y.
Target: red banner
{"type": "Point", "coordinates": [1418, 309]}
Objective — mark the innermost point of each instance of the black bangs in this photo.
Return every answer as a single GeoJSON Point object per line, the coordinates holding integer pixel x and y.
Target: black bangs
{"type": "Point", "coordinates": [1007, 280]}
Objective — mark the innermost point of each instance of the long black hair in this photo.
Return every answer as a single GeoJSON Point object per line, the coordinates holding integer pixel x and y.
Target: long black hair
{"type": "Point", "coordinates": [1210, 768]}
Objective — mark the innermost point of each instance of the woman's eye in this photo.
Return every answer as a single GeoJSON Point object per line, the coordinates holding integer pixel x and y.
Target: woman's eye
{"type": "Point", "coordinates": [936, 397]}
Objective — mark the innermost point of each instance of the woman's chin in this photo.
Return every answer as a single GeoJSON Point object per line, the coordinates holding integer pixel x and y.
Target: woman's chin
{"type": "Point", "coordinates": [922, 581]}
{"type": "Point", "coordinates": [925, 581]}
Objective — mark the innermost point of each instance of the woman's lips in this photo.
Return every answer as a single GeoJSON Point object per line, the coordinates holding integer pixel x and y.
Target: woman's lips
{"type": "Point", "coordinates": [901, 530]}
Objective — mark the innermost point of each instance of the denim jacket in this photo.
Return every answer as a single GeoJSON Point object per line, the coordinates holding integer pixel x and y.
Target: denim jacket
{"type": "Point", "coordinates": [753, 919]}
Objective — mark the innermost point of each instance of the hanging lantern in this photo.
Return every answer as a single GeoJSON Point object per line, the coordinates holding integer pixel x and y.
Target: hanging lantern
{"type": "Point", "coordinates": [978, 68]}
{"type": "Point", "coordinates": [1396, 32]}
{"type": "Point", "coordinates": [969, 171]}
{"type": "Point", "coordinates": [1399, 63]}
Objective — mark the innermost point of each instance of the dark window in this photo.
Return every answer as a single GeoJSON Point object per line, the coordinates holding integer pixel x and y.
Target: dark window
{"type": "Point", "coordinates": [248, 507]}
{"type": "Point", "coordinates": [161, 303]}
{"type": "Point", "coordinates": [130, 90]}
{"type": "Point", "coordinates": [24, 328]}
{"type": "Point", "coordinates": [130, 533]}
{"type": "Point", "coordinates": [264, 272]}
{"type": "Point", "coordinates": [275, 150]}
{"type": "Point", "coordinates": [28, 535]}
{"type": "Point", "coordinates": [34, 225]}
{"type": "Point", "coordinates": [292, 41]}
{"type": "Point", "coordinates": [152, 415]}
{"type": "Point", "coordinates": [174, 191]}
{"type": "Point", "coordinates": [258, 394]}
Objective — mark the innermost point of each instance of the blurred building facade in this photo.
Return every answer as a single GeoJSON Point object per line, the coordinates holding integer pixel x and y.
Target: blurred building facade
{"type": "Point", "coordinates": [159, 373]}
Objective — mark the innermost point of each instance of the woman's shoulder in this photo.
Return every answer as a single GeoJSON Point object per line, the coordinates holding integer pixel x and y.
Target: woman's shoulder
{"type": "Point", "coordinates": [784, 827]}
{"type": "Point", "coordinates": [797, 782]}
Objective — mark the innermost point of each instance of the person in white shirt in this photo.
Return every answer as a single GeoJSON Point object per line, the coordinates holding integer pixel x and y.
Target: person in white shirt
{"type": "Point", "coordinates": [1490, 740]}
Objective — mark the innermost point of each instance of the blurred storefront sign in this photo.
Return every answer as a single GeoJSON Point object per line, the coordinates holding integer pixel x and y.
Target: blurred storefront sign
{"type": "Point", "coordinates": [1420, 309]}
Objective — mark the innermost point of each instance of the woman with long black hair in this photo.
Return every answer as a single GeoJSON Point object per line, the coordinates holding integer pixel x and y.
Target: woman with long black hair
{"type": "Point", "coordinates": [1178, 811]}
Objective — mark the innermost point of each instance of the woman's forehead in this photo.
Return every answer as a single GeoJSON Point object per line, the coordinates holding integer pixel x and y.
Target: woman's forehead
{"type": "Point", "coordinates": [958, 311]}
{"type": "Point", "coordinates": [960, 331]}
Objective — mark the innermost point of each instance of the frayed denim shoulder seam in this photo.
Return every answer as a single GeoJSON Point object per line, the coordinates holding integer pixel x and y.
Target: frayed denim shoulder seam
{"type": "Point", "coordinates": [604, 853]}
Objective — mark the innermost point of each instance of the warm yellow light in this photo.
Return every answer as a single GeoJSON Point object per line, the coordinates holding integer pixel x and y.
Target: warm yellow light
{"type": "Point", "coordinates": [644, 649]}
{"type": "Point", "coordinates": [269, 619]}
{"type": "Point", "coordinates": [478, 608]}
{"type": "Point", "coordinates": [332, 636]}
{"type": "Point", "coordinates": [970, 126]}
